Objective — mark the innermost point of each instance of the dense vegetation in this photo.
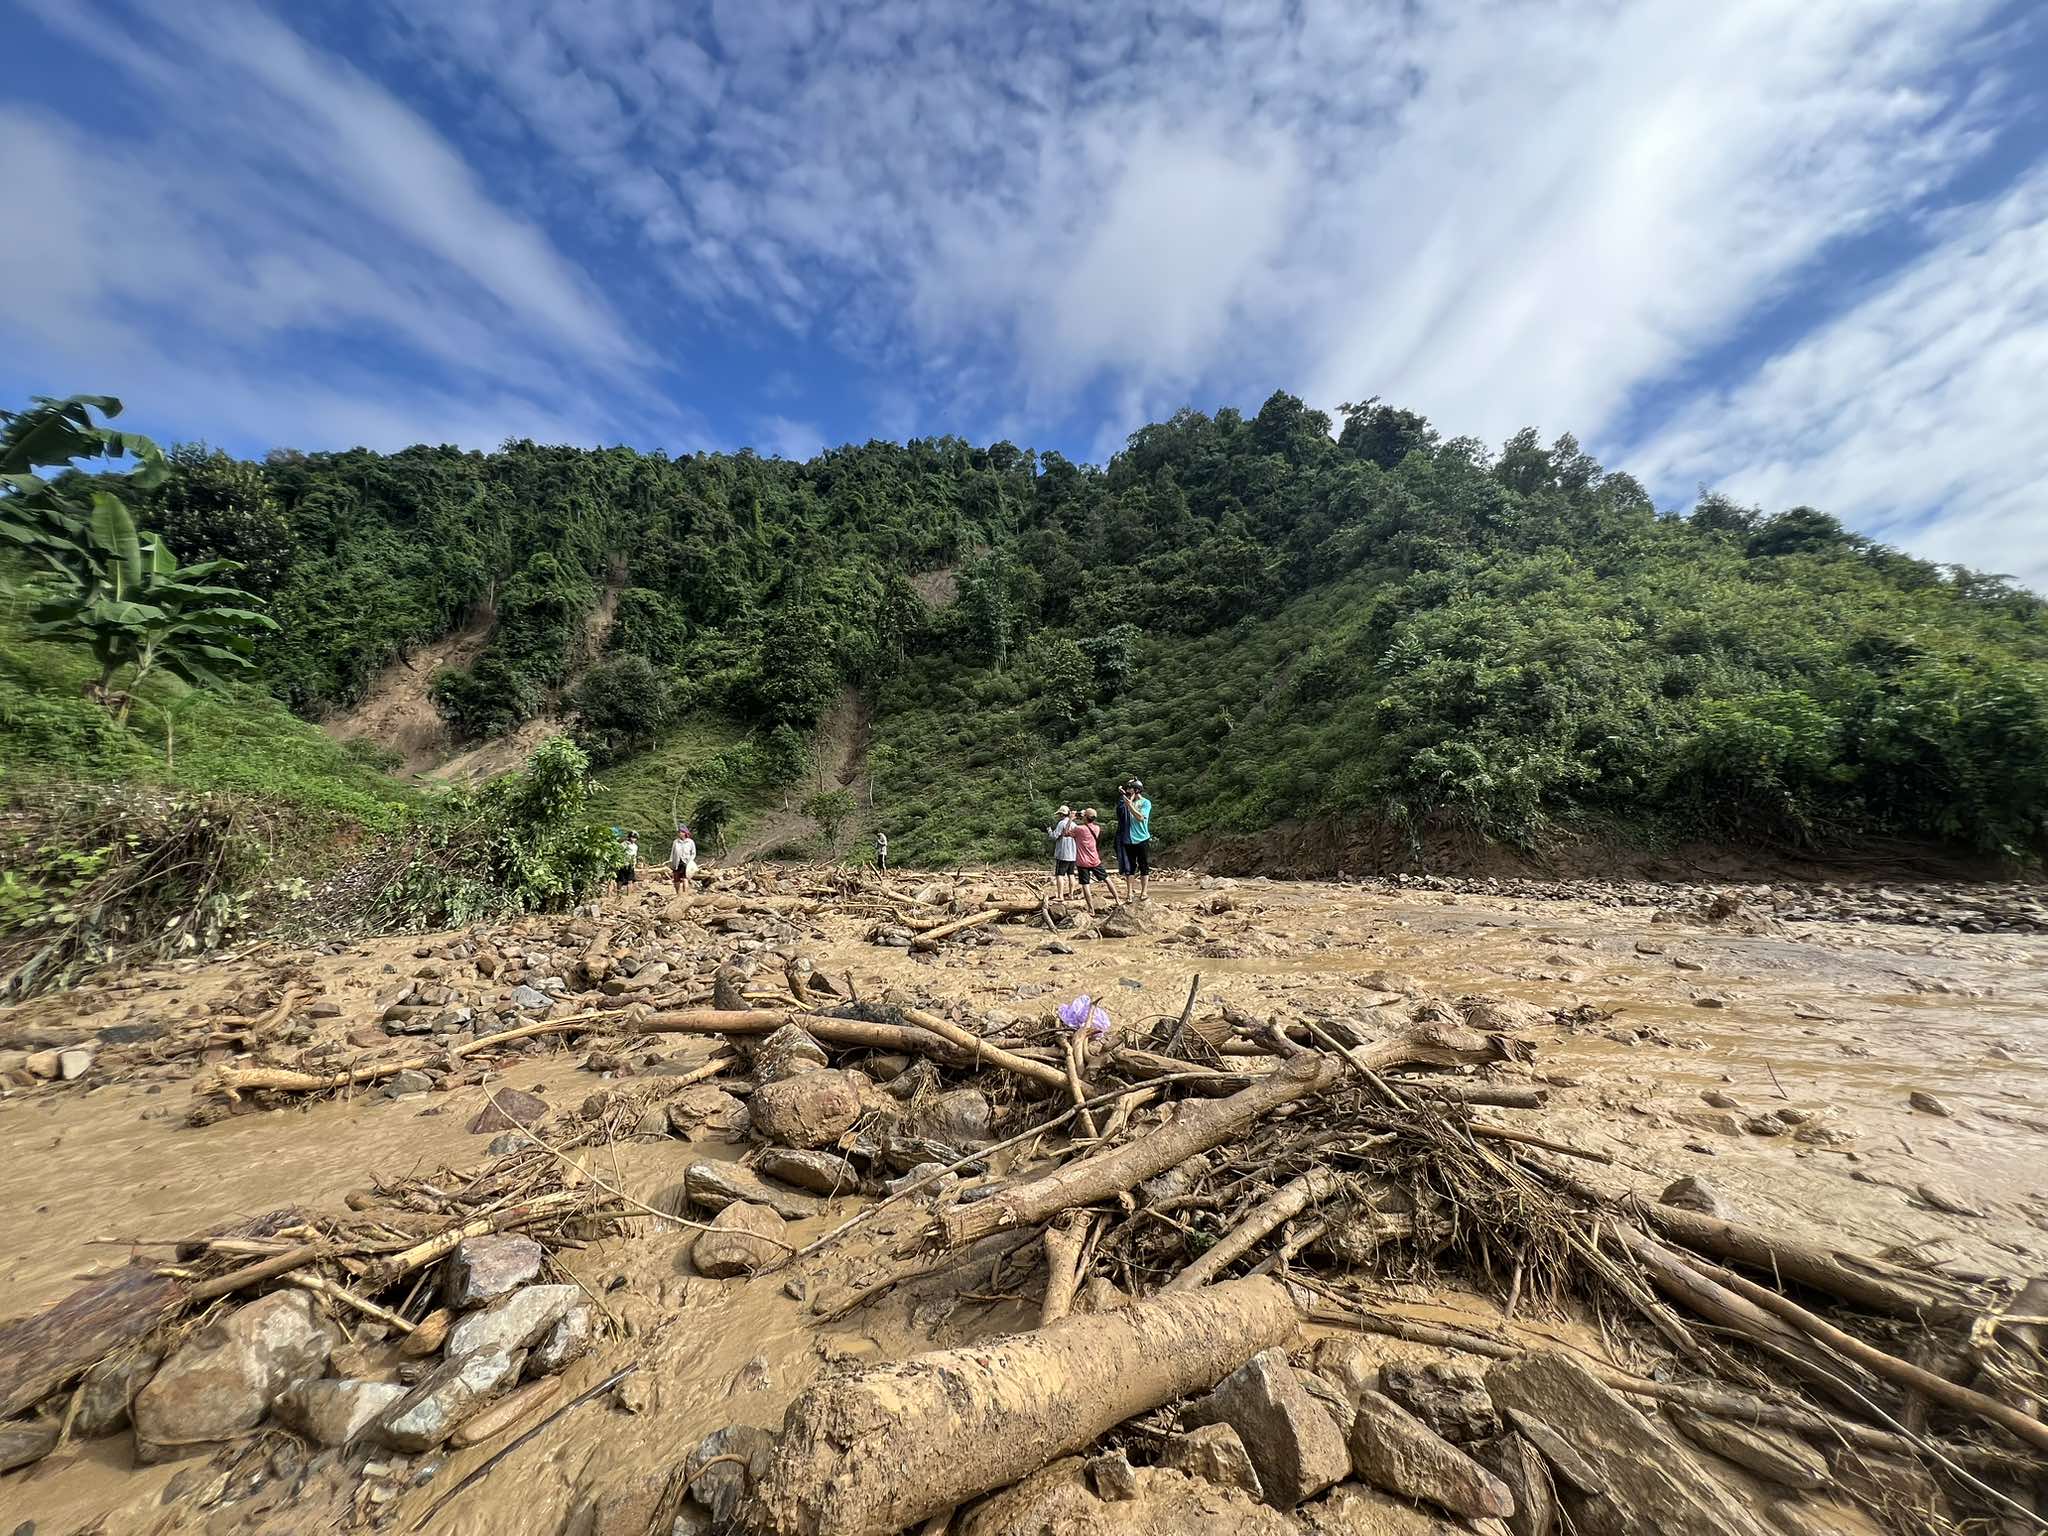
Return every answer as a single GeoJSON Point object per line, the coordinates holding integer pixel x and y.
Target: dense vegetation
{"type": "Point", "coordinates": [1269, 621]}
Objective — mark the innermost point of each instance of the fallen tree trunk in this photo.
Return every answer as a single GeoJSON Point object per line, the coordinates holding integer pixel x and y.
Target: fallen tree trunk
{"type": "Point", "coordinates": [856, 1033]}
{"type": "Point", "coordinates": [1938, 1389]}
{"type": "Point", "coordinates": [1064, 1240]}
{"type": "Point", "coordinates": [872, 1453]}
{"type": "Point", "coordinates": [1037, 1071]}
{"type": "Point", "coordinates": [1197, 1128]}
{"type": "Point", "coordinates": [1802, 1263]}
{"type": "Point", "coordinates": [236, 1081]}
{"type": "Point", "coordinates": [930, 937]}
{"type": "Point", "coordinates": [1283, 1205]}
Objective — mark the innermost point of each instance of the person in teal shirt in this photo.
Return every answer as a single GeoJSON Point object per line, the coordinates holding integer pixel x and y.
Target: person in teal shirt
{"type": "Point", "coordinates": [1139, 810]}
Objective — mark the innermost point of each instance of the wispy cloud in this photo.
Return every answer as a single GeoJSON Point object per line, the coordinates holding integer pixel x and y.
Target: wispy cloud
{"type": "Point", "coordinates": [1915, 414]}
{"type": "Point", "coordinates": [284, 223]}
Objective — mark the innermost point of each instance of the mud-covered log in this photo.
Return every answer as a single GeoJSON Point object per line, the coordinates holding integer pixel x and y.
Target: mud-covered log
{"type": "Point", "coordinates": [1197, 1128]}
{"type": "Point", "coordinates": [41, 1352]}
{"type": "Point", "coordinates": [873, 1453]}
{"type": "Point", "coordinates": [1283, 1205]}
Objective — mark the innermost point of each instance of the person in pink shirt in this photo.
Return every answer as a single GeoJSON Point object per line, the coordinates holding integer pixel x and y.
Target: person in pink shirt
{"type": "Point", "coordinates": [1088, 857]}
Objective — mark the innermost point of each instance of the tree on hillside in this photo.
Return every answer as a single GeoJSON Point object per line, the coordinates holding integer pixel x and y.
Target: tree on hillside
{"type": "Point", "coordinates": [215, 507]}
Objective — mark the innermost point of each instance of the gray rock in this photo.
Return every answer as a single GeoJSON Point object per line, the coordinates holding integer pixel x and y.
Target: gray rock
{"type": "Point", "coordinates": [720, 1488]}
{"type": "Point", "coordinates": [1946, 1200]}
{"type": "Point", "coordinates": [743, 1238]}
{"type": "Point", "coordinates": [1693, 1193]}
{"type": "Point", "coordinates": [960, 1117]}
{"type": "Point", "coordinates": [481, 1269]}
{"type": "Point", "coordinates": [1295, 1448]}
{"type": "Point", "coordinates": [224, 1378]}
{"type": "Point", "coordinates": [517, 1323]}
{"type": "Point", "coordinates": [705, 1106]}
{"type": "Point", "coordinates": [808, 1111]}
{"type": "Point", "coordinates": [1394, 1450]}
{"type": "Point", "coordinates": [1346, 1362]}
{"type": "Point", "coordinates": [713, 1186]}
{"type": "Point", "coordinates": [1113, 1477]}
{"type": "Point", "coordinates": [26, 1440]}
{"type": "Point", "coordinates": [530, 997]}
{"type": "Point", "coordinates": [569, 1340]}
{"type": "Point", "coordinates": [1517, 1463]}
{"type": "Point", "coordinates": [1652, 1482]}
{"type": "Point", "coordinates": [74, 1063]}
{"type": "Point", "coordinates": [1577, 1473]}
{"type": "Point", "coordinates": [108, 1392]}
{"type": "Point", "coordinates": [1928, 1104]}
{"type": "Point", "coordinates": [1337, 1402]}
{"type": "Point", "coordinates": [789, 1052]}
{"type": "Point", "coordinates": [1779, 1458]}
{"type": "Point", "coordinates": [450, 1393]}
{"type": "Point", "coordinates": [334, 1412]}
{"type": "Point", "coordinates": [1215, 1454]}
{"type": "Point", "coordinates": [819, 1173]}
{"type": "Point", "coordinates": [1451, 1399]}
{"type": "Point", "coordinates": [408, 1082]}
{"type": "Point", "coordinates": [505, 1145]}
{"type": "Point", "coordinates": [509, 1107]}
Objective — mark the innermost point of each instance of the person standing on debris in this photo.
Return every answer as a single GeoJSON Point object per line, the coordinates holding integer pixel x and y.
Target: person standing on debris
{"type": "Point", "coordinates": [682, 859]}
{"type": "Point", "coordinates": [1140, 809]}
{"type": "Point", "coordinates": [881, 850]}
{"type": "Point", "coordinates": [629, 859]}
{"type": "Point", "coordinates": [1123, 829]}
{"type": "Point", "coordinates": [1062, 834]}
{"type": "Point", "coordinates": [1088, 858]}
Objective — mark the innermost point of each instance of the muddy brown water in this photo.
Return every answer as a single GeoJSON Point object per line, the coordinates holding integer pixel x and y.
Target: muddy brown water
{"type": "Point", "coordinates": [1842, 1022]}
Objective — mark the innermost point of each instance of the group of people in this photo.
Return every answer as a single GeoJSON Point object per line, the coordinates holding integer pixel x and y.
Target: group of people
{"type": "Point", "coordinates": [682, 858]}
{"type": "Point", "coordinates": [1077, 853]}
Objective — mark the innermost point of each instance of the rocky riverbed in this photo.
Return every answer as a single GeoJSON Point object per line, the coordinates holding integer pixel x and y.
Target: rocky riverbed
{"type": "Point", "coordinates": [1864, 1067]}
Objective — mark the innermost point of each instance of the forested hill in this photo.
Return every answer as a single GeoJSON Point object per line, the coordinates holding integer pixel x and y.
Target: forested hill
{"type": "Point", "coordinates": [1268, 621]}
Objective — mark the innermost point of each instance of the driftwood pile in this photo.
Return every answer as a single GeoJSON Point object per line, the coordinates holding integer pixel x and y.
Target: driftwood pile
{"type": "Point", "coordinates": [1138, 1176]}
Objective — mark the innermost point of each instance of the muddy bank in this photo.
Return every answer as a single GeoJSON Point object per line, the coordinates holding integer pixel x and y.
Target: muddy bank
{"type": "Point", "coordinates": [1877, 1087]}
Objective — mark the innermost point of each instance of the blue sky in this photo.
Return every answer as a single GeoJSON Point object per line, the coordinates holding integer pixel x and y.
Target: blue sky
{"type": "Point", "coordinates": [1795, 249]}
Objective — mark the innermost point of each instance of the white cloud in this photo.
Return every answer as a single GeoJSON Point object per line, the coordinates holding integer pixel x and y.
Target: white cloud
{"type": "Point", "coordinates": [1915, 414]}
{"type": "Point", "coordinates": [290, 254]}
{"type": "Point", "coordinates": [781, 437]}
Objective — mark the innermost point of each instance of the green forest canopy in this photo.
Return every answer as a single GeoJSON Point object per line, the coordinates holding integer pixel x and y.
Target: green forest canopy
{"type": "Point", "coordinates": [1268, 620]}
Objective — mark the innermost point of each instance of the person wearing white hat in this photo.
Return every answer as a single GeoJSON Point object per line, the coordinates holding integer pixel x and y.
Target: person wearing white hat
{"type": "Point", "coordinates": [1062, 834]}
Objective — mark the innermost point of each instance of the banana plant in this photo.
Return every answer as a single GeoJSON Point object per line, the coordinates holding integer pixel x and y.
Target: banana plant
{"type": "Point", "coordinates": [105, 584]}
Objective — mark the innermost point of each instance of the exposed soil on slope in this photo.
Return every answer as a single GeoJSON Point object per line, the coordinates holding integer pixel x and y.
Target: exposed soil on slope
{"type": "Point", "coordinates": [839, 758]}
{"type": "Point", "coordinates": [397, 713]}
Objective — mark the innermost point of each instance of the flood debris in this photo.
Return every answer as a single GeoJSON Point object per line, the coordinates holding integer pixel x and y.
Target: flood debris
{"type": "Point", "coordinates": [1161, 1261]}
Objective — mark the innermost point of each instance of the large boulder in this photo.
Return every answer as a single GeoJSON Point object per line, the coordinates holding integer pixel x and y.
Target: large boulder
{"type": "Point", "coordinates": [1352, 1509]}
{"type": "Point", "coordinates": [789, 1052]}
{"type": "Point", "coordinates": [742, 1238]}
{"type": "Point", "coordinates": [224, 1378]}
{"type": "Point", "coordinates": [808, 1111]}
{"type": "Point", "coordinates": [107, 1394]}
{"type": "Point", "coordinates": [705, 1106]}
{"type": "Point", "coordinates": [819, 1173]}
{"type": "Point", "coordinates": [1394, 1450]}
{"type": "Point", "coordinates": [515, 1324]}
{"type": "Point", "coordinates": [1293, 1443]}
{"type": "Point", "coordinates": [569, 1340]}
{"type": "Point", "coordinates": [1516, 1462]}
{"type": "Point", "coordinates": [481, 1269]}
{"type": "Point", "coordinates": [1649, 1480]}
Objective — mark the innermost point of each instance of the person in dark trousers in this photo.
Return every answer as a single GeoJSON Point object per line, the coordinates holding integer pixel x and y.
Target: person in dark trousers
{"type": "Point", "coordinates": [1123, 829]}
{"type": "Point", "coordinates": [881, 850]}
{"type": "Point", "coordinates": [1139, 809]}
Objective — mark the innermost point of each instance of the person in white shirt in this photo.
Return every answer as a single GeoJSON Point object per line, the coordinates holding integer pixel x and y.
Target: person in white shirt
{"type": "Point", "coordinates": [629, 859]}
{"type": "Point", "coordinates": [682, 859]}
{"type": "Point", "coordinates": [881, 850]}
{"type": "Point", "coordinates": [1062, 834]}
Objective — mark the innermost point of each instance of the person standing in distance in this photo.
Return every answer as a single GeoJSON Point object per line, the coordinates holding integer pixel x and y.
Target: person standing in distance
{"type": "Point", "coordinates": [682, 859]}
{"type": "Point", "coordinates": [1141, 839]}
{"type": "Point", "coordinates": [629, 859]}
{"type": "Point", "coordinates": [881, 850]}
{"type": "Point", "coordinates": [1062, 834]}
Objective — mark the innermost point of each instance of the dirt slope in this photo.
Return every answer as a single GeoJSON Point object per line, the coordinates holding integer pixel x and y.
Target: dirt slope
{"type": "Point", "coordinates": [397, 713]}
{"type": "Point", "coordinates": [839, 755]}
